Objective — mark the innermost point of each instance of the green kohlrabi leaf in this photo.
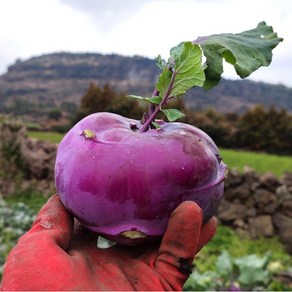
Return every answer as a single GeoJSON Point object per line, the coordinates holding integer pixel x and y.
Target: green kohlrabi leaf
{"type": "Point", "coordinates": [224, 264]}
{"type": "Point", "coordinates": [186, 63]}
{"type": "Point", "coordinates": [172, 114]}
{"type": "Point", "coordinates": [156, 125]}
{"type": "Point", "coordinates": [208, 281]}
{"type": "Point", "coordinates": [160, 62]}
{"type": "Point", "coordinates": [153, 99]}
{"type": "Point", "coordinates": [252, 277]}
{"type": "Point", "coordinates": [252, 270]}
{"type": "Point", "coordinates": [252, 261]}
{"type": "Point", "coordinates": [164, 82]}
{"type": "Point", "coordinates": [246, 51]}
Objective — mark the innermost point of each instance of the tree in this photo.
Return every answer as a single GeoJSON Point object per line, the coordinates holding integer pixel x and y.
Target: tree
{"type": "Point", "coordinates": [265, 130]}
{"type": "Point", "coordinates": [55, 114]}
{"type": "Point", "coordinates": [105, 99]}
{"type": "Point", "coordinates": [69, 107]}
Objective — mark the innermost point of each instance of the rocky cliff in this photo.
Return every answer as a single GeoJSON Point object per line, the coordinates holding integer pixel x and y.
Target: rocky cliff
{"type": "Point", "coordinates": [35, 86]}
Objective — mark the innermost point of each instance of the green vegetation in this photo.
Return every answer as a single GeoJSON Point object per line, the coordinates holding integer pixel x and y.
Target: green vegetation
{"type": "Point", "coordinates": [14, 221]}
{"type": "Point", "coordinates": [232, 260]}
{"type": "Point", "coordinates": [260, 162]}
{"type": "Point", "coordinates": [105, 99]}
{"type": "Point", "coordinates": [238, 246]}
{"type": "Point", "coordinates": [259, 129]}
{"type": "Point", "coordinates": [46, 136]}
{"type": "Point", "coordinates": [32, 126]}
{"type": "Point", "coordinates": [264, 130]}
{"type": "Point", "coordinates": [31, 198]}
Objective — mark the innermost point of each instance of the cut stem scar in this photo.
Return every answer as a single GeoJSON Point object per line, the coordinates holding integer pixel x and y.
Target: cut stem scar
{"type": "Point", "coordinates": [88, 134]}
{"type": "Point", "coordinates": [133, 234]}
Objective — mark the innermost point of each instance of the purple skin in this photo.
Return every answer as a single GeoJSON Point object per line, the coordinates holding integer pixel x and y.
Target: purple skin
{"type": "Point", "coordinates": [113, 178]}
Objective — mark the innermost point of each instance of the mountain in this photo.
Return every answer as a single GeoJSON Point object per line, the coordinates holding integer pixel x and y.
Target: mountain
{"type": "Point", "coordinates": [240, 96]}
{"type": "Point", "coordinates": [59, 80]}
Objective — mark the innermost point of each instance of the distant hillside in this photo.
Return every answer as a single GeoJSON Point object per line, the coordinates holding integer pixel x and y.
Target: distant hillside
{"type": "Point", "coordinates": [43, 83]}
{"type": "Point", "coordinates": [240, 96]}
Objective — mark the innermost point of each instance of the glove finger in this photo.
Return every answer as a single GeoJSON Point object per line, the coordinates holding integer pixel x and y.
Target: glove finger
{"type": "Point", "coordinates": [53, 223]}
{"type": "Point", "coordinates": [39, 253]}
{"type": "Point", "coordinates": [179, 244]}
{"type": "Point", "coordinates": [207, 232]}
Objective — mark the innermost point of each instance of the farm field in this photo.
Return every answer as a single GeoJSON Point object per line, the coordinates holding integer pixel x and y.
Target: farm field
{"type": "Point", "coordinates": [260, 162]}
{"type": "Point", "coordinates": [46, 136]}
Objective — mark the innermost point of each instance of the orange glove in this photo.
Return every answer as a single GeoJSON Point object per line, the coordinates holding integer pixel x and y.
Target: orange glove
{"type": "Point", "coordinates": [51, 256]}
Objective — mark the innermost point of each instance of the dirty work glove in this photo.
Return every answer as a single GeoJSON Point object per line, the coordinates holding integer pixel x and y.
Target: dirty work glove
{"type": "Point", "coordinates": [53, 255]}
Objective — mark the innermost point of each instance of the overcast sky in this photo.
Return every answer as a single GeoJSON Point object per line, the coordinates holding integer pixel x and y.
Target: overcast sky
{"type": "Point", "coordinates": [138, 27]}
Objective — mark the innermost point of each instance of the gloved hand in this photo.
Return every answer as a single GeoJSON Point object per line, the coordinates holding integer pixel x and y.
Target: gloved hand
{"type": "Point", "coordinates": [53, 255]}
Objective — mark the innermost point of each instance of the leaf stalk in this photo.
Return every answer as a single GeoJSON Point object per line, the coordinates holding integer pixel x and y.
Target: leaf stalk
{"type": "Point", "coordinates": [155, 110]}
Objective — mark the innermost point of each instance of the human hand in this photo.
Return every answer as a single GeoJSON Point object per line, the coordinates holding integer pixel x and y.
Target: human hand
{"type": "Point", "coordinates": [55, 255]}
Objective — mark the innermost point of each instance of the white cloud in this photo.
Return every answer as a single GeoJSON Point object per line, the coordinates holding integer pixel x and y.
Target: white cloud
{"type": "Point", "coordinates": [34, 27]}
{"type": "Point", "coordinates": [141, 27]}
{"type": "Point", "coordinates": [106, 14]}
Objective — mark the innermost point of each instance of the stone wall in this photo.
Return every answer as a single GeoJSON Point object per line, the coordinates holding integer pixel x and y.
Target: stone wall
{"type": "Point", "coordinates": [253, 204]}
{"type": "Point", "coordinates": [258, 205]}
{"type": "Point", "coordinates": [25, 163]}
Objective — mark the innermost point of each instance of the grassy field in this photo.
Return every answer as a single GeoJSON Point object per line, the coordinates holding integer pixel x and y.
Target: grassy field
{"type": "Point", "coordinates": [47, 136]}
{"type": "Point", "coordinates": [260, 162]}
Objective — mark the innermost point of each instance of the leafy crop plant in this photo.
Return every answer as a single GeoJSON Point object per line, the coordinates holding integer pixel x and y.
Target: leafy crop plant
{"type": "Point", "coordinates": [122, 177]}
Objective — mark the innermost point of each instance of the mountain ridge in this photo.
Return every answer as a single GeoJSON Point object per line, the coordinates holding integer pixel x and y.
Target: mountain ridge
{"type": "Point", "coordinates": [52, 80]}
